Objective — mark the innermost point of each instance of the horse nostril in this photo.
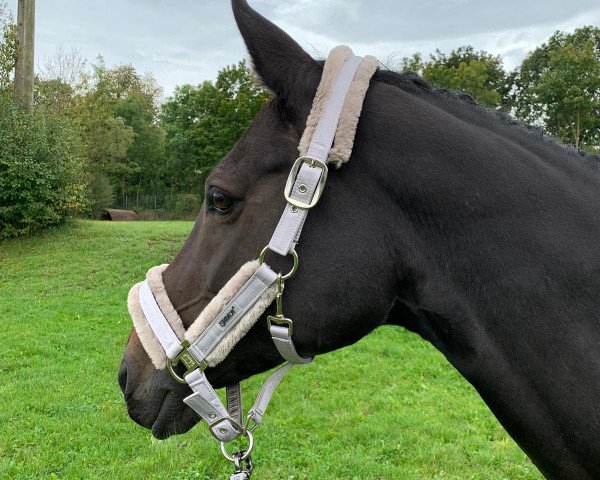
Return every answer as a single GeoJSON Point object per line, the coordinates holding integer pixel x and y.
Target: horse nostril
{"type": "Point", "coordinates": [122, 376]}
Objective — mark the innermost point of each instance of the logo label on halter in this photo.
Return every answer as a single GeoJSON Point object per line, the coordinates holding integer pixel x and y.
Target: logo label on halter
{"type": "Point", "coordinates": [227, 317]}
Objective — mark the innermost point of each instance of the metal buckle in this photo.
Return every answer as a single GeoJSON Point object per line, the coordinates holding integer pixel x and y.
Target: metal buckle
{"type": "Point", "coordinates": [188, 360]}
{"type": "Point", "coordinates": [280, 321]}
{"type": "Point", "coordinates": [314, 163]}
{"type": "Point", "coordinates": [251, 423]}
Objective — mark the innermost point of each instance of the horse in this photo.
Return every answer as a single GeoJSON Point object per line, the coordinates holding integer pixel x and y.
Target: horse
{"type": "Point", "coordinates": [450, 220]}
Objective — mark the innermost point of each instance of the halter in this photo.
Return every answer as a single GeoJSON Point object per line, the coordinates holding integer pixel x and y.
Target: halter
{"type": "Point", "coordinates": [238, 305]}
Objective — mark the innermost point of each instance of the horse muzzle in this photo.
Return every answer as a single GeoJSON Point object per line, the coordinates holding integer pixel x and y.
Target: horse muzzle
{"type": "Point", "coordinates": [154, 401]}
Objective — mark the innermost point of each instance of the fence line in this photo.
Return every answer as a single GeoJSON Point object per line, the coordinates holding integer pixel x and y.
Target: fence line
{"type": "Point", "coordinates": [181, 206]}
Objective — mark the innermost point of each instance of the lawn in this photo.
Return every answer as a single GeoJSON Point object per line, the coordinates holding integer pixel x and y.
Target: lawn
{"type": "Point", "coordinates": [389, 407]}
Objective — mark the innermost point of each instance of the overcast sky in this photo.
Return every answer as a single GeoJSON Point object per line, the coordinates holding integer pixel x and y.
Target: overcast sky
{"type": "Point", "coordinates": [187, 41]}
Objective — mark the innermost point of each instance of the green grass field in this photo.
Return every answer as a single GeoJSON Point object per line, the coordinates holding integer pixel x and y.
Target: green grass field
{"type": "Point", "coordinates": [389, 407]}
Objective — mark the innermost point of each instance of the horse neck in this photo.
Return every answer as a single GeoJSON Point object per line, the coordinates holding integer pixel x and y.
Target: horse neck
{"type": "Point", "coordinates": [501, 249]}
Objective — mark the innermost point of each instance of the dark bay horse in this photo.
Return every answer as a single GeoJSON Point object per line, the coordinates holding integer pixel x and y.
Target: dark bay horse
{"type": "Point", "coordinates": [450, 220]}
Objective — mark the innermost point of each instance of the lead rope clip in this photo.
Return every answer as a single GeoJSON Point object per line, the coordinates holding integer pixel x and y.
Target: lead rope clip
{"type": "Point", "coordinates": [241, 460]}
{"type": "Point", "coordinates": [278, 318]}
{"type": "Point", "coordinates": [243, 466]}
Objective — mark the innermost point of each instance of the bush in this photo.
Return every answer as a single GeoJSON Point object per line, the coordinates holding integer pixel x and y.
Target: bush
{"type": "Point", "coordinates": [41, 174]}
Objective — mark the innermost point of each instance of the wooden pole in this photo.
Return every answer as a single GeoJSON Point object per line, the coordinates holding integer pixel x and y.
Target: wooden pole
{"type": "Point", "coordinates": [18, 86]}
{"type": "Point", "coordinates": [24, 69]}
{"type": "Point", "coordinates": [28, 75]}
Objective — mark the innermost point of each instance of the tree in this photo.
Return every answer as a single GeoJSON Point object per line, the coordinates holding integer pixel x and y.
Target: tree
{"type": "Point", "coordinates": [62, 78]}
{"type": "Point", "coordinates": [117, 113]}
{"type": "Point", "coordinates": [54, 97]}
{"type": "Point", "coordinates": [202, 123]}
{"type": "Point", "coordinates": [68, 67]}
{"type": "Point", "coordinates": [479, 74]}
{"type": "Point", "coordinates": [414, 63]}
{"type": "Point", "coordinates": [41, 171]}
{"type": "Point", "coordinates": [8, 48]}
{"type": "Point", "coordinates": [146, 152]}
{"type": "Point", "coordinates": [558, 87]}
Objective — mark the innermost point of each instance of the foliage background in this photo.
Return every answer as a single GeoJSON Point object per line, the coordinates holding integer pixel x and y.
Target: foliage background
{"type": "Point", "coordinates": [558, 88]}
{"type": "Point", "coordinates": [104, 136]}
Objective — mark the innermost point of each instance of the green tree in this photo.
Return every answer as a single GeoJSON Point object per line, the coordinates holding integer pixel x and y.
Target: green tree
{"type": "Point", "coordinates": [66, 91]}
{"type": "Point", "coordinates": [63, 77]}
{"type": "Point", "coordinates": [146, 154]}
{"type": "Point", "coordinates": [479, 74]}
{"type": "Point", "coordinates": [134, 99]}
{"type": "Point", "coordinates": [414, 63]}
{"type": "Point", "coordinates": [41, 171]}
{"type": "Point", "coordinates": [54, 96]}
{"type": "Point", "coordinates": [558, 87]}
{"type": "Point", "coordinates": [116, 111]}
{"type": "Point", "coordinates": [202, 123]}
{"type": "Point", "coordinates": [42, 179]}
{"type": "Point", "coordinates": [8, 48]}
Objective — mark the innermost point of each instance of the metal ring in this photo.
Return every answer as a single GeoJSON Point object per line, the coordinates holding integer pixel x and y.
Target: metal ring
{"type": "Point", "coordinates": [246, 453]}
{"type": "Point", "coordinates": [263, 254]}
{"type": "Point", "coordinates": [176, 377]}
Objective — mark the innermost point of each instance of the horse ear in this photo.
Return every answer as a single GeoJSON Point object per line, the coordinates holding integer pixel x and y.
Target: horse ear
{"type": "Point", "coordinates": [284, 67]}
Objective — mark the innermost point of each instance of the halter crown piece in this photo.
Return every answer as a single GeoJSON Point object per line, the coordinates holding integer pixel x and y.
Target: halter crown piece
{"type": "Point", "coordinates": [328, 138]}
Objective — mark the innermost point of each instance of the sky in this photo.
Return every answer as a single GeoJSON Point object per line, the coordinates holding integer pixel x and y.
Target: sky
{"type": "Point", "coordinates": [188, 41]}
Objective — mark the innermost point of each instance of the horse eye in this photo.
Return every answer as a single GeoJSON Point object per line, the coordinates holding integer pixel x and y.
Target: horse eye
{"type": "Point", "coordinates": [219, 201]}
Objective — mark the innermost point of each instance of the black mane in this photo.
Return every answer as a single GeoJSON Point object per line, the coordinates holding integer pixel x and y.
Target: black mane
{"type": "Point", "coordinates": [464, 103]}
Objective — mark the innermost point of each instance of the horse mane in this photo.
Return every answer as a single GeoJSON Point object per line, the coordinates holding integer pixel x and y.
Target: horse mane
{"type": "Point", "coordinates": [466, 105]}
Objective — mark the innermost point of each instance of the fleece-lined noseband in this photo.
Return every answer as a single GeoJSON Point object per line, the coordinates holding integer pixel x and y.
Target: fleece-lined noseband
{"type": "Point", "coordinates": [328, 138]}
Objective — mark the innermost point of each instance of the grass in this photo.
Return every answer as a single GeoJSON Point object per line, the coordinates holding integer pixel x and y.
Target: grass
{"type": "Point", "coordinates": [389, 407]}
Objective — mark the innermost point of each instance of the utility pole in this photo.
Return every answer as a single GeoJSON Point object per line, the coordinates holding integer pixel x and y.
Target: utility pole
{"type": "Point", "coordinates": [24, 68]}
{"type": "Point", "coordinates": [18, 86]}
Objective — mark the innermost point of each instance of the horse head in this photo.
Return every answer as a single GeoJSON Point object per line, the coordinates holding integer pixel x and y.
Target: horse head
{"type": "Point", "coordinates": [344, 286]}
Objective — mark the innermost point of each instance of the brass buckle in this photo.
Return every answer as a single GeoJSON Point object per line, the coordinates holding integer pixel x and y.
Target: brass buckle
{"type": "Point", "coordinates": [314, 163]}
{"type": "Point", "coordinates": [188, 360]}
{"type": "Point", "coordinates": [281, 321]}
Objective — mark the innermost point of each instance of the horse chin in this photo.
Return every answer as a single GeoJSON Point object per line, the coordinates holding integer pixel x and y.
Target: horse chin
{"type": "Point", "coordinates": [172, 419]}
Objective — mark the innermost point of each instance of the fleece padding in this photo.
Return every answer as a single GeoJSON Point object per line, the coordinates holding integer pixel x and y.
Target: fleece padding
{"type": "Point", "coordinates": [346, 130]}
{"type": "Point", "coordinates": [144, 332]}
{"type": "Point", "coordinates": [214, 307]}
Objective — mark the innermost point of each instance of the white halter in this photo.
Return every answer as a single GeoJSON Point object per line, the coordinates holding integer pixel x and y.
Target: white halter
{"type": "Point", "coordinates": [233, 311]}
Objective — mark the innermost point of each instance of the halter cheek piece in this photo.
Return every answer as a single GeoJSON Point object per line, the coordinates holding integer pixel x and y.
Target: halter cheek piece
{"type": "Point", "coordinates": [328, 138]}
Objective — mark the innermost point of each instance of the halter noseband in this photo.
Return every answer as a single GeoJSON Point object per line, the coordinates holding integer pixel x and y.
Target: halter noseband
{"type": "Point", "coordinates": [232, 312]}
